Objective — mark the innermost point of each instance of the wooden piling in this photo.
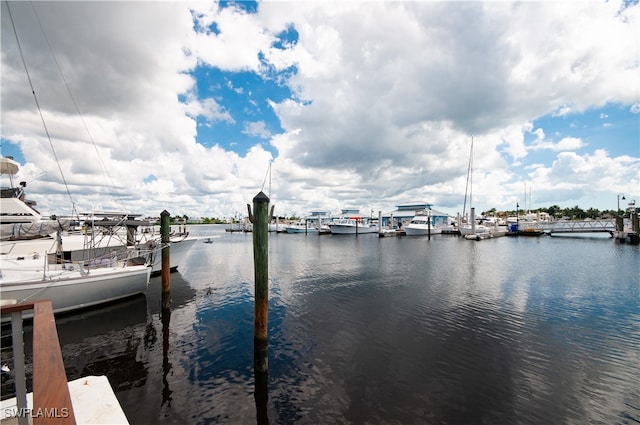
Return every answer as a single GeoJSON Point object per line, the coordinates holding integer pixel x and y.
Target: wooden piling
{"type": "Point", "coordinates": [165, 226]}
{"type": "Point", "coordinates": [260, 220]}
{"type": "Point", "coordinates": [261, 265]}
{"type": "Point", "coordinates": [261, 376]}
{"type": "Point", "coordinates": [620, 223]}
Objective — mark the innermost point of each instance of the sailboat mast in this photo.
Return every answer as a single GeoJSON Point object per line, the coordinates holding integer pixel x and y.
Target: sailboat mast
{"type": "Point", "coordinates": [468, 189]}
{"type": "Point", "coordinates": [270, 162]}
{"type": "Point", "coordinates": [471, 175]}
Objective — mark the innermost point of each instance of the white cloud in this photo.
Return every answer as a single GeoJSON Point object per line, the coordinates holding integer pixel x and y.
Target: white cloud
{"type": "Point", "coordinates": [565, 144]}
{"type": "Point", "coordinates": [257, 128]}
{"type": "Point", "coordinates": [386, 99]}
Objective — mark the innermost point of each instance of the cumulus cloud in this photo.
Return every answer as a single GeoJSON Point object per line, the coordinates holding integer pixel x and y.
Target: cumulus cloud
{"type": "Point", "coordinates": [565, 144]}
{"type": "Point", "coordinates": [384, 99]}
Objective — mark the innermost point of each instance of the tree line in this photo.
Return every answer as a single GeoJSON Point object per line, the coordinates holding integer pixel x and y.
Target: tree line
{"type": "Point", "coordinates": [570, 213]}
{"type": "Point", "coordinates": [555, 211]}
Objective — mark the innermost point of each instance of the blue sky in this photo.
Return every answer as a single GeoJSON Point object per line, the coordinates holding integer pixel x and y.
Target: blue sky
{"type": "Point", "coordinates": [185, 106]}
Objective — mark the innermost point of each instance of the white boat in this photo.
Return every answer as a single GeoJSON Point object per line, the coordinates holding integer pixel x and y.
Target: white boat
{"type": "Point", "coordinates": [23, 231]}
{"type": "Point", "coordinates": [33, 267]}
{"type": "Point", "coordinates": [70, 286]}
{"type": "Point", "coordinates": [19, 219]}
{"type": "Point", "coordinates": [353, 225]}
{"type": "Point", "coordinates": [277, 227]}
{"type": "Point", "coordinates": [421, 225]}
{"type": "Point", "coordinates": [300, 227]}
{"type": "Point", "coordinates": [472, 230]}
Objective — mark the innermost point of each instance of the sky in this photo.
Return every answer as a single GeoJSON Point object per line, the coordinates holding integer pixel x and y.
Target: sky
{"type": "Point", "coordinates": [196, 107]}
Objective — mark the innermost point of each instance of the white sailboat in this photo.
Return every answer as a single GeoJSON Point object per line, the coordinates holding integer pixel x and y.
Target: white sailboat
{"type": "Point", "coordinates": [471, 229]}
{"type": "Point", "coordinates": [35, 276]}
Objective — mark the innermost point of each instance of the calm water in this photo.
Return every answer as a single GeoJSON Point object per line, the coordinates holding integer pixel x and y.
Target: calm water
{"type": "Point", "coordinates": [372, 330]}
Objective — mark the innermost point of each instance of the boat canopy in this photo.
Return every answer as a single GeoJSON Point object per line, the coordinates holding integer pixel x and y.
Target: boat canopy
{"type": "Point", "coordinates": [8, 166]}
{"type": "Point", "coordinates": [35, 229]}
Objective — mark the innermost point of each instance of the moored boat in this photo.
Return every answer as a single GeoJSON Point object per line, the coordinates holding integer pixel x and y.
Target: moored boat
{"type": "Point", "coordinates": [70, 286]}
{"type": "Point", "coordinates": [421, 225]}
{"type": "Point", "coordinates": [23, 230]}
{"type": "Point", "coordinates": [301, 226]}
{"type": "Point", "coordinates": [352, 223]}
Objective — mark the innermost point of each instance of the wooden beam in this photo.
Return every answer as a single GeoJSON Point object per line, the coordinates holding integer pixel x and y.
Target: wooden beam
{"type": "Point", "coordinates": [51, 398]}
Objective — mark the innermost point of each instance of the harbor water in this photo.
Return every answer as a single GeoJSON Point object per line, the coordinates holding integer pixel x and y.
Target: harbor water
{"type": "Point", "coordinates": [368, 330]}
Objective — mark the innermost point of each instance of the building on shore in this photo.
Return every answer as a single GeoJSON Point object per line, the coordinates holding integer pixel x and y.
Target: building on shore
{"type": "Point", "coordinates": [405, 212]}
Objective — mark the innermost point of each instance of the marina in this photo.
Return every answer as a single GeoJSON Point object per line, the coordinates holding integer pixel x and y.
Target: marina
{"type": "Point", "coordinates": [355, 301]}
{"type": "Point", "coordinates": [376, 330]}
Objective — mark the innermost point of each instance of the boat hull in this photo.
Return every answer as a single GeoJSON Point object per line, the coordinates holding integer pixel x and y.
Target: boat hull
{"type": "Point", "coordinates": [74, 249]}
{"type": "Point", "coordinates": [299, 229]}
{"type": "Point", "coordinates": [343, 229]}
{"type": "Point", "coordinates": [70, 289]}
{"type": "Point", "coordinates": [177, 252]}
{"type": "Point", "coordinates": [421, 230]}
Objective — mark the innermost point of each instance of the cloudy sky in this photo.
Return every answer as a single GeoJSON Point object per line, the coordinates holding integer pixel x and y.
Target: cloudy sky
{"type": "Point", "coordinates": [186, 106]}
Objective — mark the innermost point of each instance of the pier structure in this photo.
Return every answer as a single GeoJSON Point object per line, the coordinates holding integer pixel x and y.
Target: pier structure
{"type": "Point", "coordinates": [53, 401]}
{"type": "Point", "coordinates": [579, 226]}
{"type": "Point", "coordinates": [620, 229]}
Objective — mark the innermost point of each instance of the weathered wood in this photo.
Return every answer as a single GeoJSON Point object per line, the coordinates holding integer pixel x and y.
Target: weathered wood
{"type": "Point", "coordinates": [51, 399]}
{"type": "Point", "coordinates": [261, 219]}
{"type": "Point", "coordinates": [261, 375]}
{"type": "Point", "coordinates": [261, 265]}
{"type": "Point", "coordinates": [165, 227]}
{"type": "Point", "coordinates": [13, 308]}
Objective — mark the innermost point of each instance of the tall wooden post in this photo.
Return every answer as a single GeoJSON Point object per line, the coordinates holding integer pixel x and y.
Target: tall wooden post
{"type": "Point", "coordinates": [260, 220]}
{"type": "Point", "coordinates": [261, 264]}
{"type": "Point", "coordinates": [620, 223]}
{"type": "Point", "coordinates": [165, 225]}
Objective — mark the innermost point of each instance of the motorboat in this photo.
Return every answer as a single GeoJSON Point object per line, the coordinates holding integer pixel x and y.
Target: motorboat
{"type": "Point", "coordinates": [421, 225]}
{"type": "Point", "coordinates": [23, 231]}
{"type": "Point", "coordinates": [354, 225]}
{"type": "Point", "coordinates": [19, 218]}
{"type": "Point", "coordinates": [301, 226]}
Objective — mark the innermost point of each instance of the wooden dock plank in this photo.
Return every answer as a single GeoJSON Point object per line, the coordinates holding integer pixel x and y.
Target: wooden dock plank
{"type": "Point", "coordinates": [51, 399]}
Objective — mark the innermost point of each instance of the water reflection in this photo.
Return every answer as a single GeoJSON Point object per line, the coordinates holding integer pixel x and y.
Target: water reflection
{"type": "Point", "coordinates": [261, 376]}
{"type": "Point", "coordinates": [166, 364]}
{"type": "Point", "coordinates": [369, 330]}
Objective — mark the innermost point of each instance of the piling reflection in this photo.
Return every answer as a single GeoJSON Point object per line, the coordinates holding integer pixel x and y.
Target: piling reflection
{"type": "Point", "coordinates": [106, 341]}
{"type": "Point", "coordinates": [166, 364]}
{"type": "Point", "coordinates": [261, 375]}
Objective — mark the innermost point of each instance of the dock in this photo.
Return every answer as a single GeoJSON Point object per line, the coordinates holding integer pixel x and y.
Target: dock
{"type": "Point", "coordinates": [89, 400]}
{"type": "Point", "coordinates": [384, 233]}
{"type": "Point", "coordinates": [92, 398]}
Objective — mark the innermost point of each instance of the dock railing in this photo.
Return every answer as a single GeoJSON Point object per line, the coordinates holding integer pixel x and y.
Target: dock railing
{"type": "Point", "coordinates": [51, 398]}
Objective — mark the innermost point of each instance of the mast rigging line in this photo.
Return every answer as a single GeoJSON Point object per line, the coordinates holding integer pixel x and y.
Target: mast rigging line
{"type": "Point", "coordinates": [73, 100]}
{"type": "Point", "coordinates": [35, 98]}
{"type": "Point", "coordinates": [77, 108]}
{"type": "Point", "coordinates": [469, 181]}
